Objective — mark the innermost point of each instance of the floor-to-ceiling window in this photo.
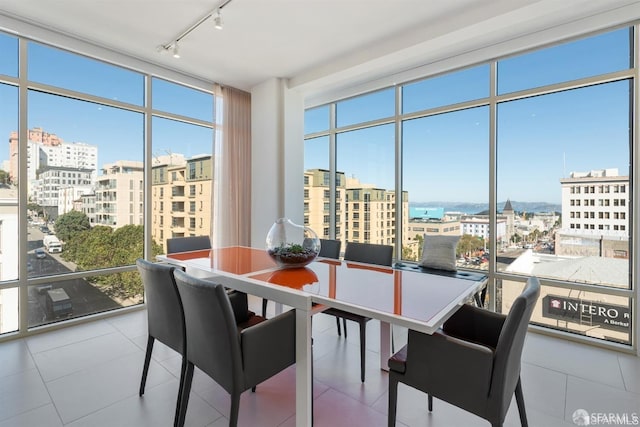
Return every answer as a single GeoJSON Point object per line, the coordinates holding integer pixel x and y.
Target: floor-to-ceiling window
{"type": "Point", "coordinates": [9, 260]}
{"type": "Point", "coordinates": [182, 162]}
{"type": "Point", "coordinates": [528, 159]}
{"type": "Point", "coordinates": [83, 136]}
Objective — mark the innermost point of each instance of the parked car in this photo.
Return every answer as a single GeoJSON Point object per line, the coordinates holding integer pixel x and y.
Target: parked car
{"type": "Point", "coordinates": [40, 253]}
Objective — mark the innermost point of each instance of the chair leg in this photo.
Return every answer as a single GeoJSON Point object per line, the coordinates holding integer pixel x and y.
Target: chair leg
{"type": "Point", "coordinates": [147, 360]}
{"type": "Point", "coordinates": [363, 348]}
{"type": "Point", "coordinates": [393, 400]}
{"type": "Point", "coordinates": [183, 372]}
{"type": "Point", "coordinates": [235, 408]}
{"type": "Point", "coordinates": [264, 307]}
{"type": "Point", "coordinates": [338, 325]}
{"type": "Point", "coordinates": [520, 402]}
{"type": "Point", "coordinates": [430, 402]}
{"type": "Point", "coordinates": [344, 326]}
{"type": "Point", "coordinates": [184, 400]}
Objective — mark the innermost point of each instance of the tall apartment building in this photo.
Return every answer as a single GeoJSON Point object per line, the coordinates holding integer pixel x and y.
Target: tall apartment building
{"type": "Point", "coordinates": [54, 168]}
{"type": "Point", "coordinates": [370, 214]}
{"type": "Point", "coordinates": [47, 149]}
{"type": "Point", "coordinates": [57, 188]}
{"type": "Point", "coordinates": [87, 205]}
{"type": "Point", "coordinates": [595, 214]}
{"type": "Point", "coordinates": [181, 198]}
{"type": "Point", "coordinates": [317, 200]}
{"type": "Point", "coordinates": [364, 214]}
{"type": "Point", "coordinates": [119, 194]}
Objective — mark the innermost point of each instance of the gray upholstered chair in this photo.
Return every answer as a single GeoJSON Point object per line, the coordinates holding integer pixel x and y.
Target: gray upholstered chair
{"type": "Point", "coordinates": [165, 317]}
{"type": "Point", "coordinates": [328, 249]}
{"type": "Point", "coordinates": [236, 357]}
{"type": "Point", "coordinates": [473, 362]}
{"type": "Point", "coordinates": [198, 243]}
{"type": "Point", "coordinates": [369, 254]}
{"type": "Point", "coordinates": [186, 244]}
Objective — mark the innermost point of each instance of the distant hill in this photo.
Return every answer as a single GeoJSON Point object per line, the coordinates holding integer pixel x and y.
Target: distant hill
{"type": "Point", "coordinates": [477, 208]}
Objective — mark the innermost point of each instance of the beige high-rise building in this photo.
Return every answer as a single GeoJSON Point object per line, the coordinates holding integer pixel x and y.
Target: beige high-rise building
{"type": "Point", "coordinates": [595, 214]}
{"type": "Point", "coordinates": [119, 194]}
{"type": "Point", "coordinates": [371, 214]}
{"type": "Point", "coordinates": [181, 199]}
{"type": "Point", "coordinates": [317, 202]}
{"type": "Point", "coordinates": [364, 214]}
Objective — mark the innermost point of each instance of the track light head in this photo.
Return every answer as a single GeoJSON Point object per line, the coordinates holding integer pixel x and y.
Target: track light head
{"type": "Point", "coordinates": [176, 50]}
{"type": "Point", "coordinates": [217, 20]}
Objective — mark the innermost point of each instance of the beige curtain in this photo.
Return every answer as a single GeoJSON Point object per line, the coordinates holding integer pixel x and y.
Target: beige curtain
{"type": "Point", "coordinates": [232, 168]}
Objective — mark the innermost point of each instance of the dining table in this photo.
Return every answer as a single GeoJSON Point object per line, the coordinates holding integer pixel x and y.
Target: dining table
{"type": "Point", "coordinates": [394, 296]}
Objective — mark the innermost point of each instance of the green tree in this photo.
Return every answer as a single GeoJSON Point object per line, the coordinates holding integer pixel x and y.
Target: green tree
{"type": "Point", "coordinates": [4, 177]}
{"type": "Point", "coordinates": [468, 244]}
{"type": "Point", "coordinates": [420, 239]}
{"type": "Point", "coordinates": [70, 224]}
{"type": "Point", "coordinates": [102, 247]}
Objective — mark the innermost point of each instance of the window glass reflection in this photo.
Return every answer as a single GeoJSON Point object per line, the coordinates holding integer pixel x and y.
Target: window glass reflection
{"type": "Point", "coordinates": [568, 193]}
{"type": "Point", "coordinates": [604, 53]}
{"type": "Point", "coordinates": [83, 74]}
{"type": "Point", "coordinates": [365, 167]}
{"type": "Point", "coordinates": [182, 181]}
{"type": "Point", "coordinates": [9, 54]}
{"type": "Point", "coordinates": [179, 99]}
{"type": "Point", "coordinates": [364, 108]}
{"type": "Point", "coordinates": [445, 175]}
{"type": "Point", "coordinates": [450, 88]}
{"type": "Point", "coordinates": [316, 119]}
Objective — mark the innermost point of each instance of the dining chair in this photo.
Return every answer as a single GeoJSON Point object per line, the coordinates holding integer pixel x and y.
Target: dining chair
{"type": "Point", "coordinates": [196, 243]}
{"type": "Point", "coordinates": [370, 254]}
{"type": "Point", "coordinates": [329, 248]}
{"type": "Point", "coordinates": [237, 357]}
{"type": "Point", "coordinates": [189, 243]}
{"type": "Point", "coordinates": [472, 362]}
{"type": "Point", "coordinates": [165, 316]}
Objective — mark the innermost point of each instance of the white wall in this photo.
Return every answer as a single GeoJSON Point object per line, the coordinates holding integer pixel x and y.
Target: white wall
{"type": "Point", "coordinates": [277, 126]}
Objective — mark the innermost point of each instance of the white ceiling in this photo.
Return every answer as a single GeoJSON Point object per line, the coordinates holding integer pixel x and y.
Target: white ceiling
{"type": "Point", "coordinates": [311, 42]}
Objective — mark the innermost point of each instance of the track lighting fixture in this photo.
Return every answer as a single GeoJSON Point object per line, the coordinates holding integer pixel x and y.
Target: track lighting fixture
{"type": "Point", "coordinates": [216, 14]}
{"type": "Point", "coordinates": [217, 20]}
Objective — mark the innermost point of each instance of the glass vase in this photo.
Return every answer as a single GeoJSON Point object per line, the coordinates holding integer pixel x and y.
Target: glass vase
{"type": "Point", "coordinates": [291, 245]}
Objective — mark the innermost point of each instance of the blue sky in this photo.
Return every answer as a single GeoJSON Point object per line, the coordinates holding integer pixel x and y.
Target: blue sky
{"type": "Point", "coordinates": [542, 139]}
{"type": "Point", "coordinates": [445, 157]}
{"type": "Point", "coordinates": [117, 133]}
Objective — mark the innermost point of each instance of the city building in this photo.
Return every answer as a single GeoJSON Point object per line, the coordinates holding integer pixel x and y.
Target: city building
{"type": "Point", "coordinates": [588, 313]}
{"type": "Point", "coordinates": [87, 205]}
{"type": "Point", "coordinates": [317, 203]}
{"type": "Point", "coordinates": [47, 149]}
{"type": "Point", "coordinates": [595, 214]}
{"type": "Point", "coordinates": [57, 187]}
{"type": "Point", "coordinates": [119, 194]}
{"type": "Point", "coordinates": [370, 214]}
{"type": "Point", "coordinates": [478, 225]}
{"type": "Point", "coordinates": [182, 197]}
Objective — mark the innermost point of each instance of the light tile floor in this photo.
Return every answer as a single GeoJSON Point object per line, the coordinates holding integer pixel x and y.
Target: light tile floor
{"type": "Point", "coordinates": [88, 375]}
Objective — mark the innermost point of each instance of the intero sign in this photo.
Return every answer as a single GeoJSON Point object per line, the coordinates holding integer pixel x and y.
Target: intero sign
{"type": "Point", "coordinates": [592, 313]}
